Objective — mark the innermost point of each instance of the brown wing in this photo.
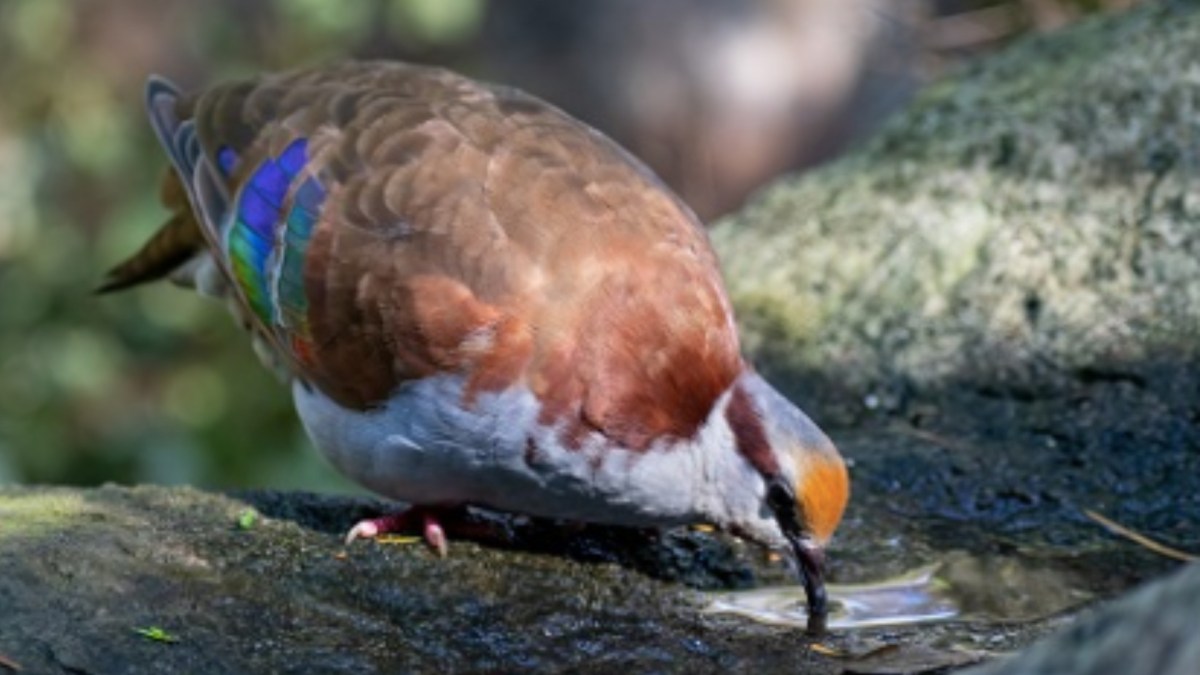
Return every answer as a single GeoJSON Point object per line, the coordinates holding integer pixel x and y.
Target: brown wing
{"type": "Point", "coordinates": [472, 229]}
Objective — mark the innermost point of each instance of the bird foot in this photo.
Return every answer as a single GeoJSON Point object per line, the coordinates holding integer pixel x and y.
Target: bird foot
{"type": "Point", "coordinates": [406, 521]}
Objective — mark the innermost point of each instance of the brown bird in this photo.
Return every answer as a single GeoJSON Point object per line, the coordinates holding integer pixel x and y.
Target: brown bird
{"type": "Point", "coordinates": [480, 300]}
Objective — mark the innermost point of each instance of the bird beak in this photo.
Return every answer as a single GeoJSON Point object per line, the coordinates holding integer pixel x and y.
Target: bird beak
{"type": "Point", "coordinates": [810, 560]}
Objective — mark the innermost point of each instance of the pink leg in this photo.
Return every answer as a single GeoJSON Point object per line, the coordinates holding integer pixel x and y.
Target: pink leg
{"type": "Point", "coordinates": [405, 521]}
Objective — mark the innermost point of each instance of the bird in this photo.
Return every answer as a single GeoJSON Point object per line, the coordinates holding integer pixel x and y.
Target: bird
{"type": "Point", "coordinates": [480, 301]}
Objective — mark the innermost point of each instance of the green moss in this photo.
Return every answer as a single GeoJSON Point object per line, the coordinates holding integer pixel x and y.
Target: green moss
{"type": "Point", "coordinates": [1041, 202]}
{"type": "Point", "coordinates": [28, 512]}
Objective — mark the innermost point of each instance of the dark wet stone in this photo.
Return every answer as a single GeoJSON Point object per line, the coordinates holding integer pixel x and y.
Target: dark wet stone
{"type": "Point", "coordinates": [1151, 631]}
{"type": "Point", "coordinates": [83, 569]}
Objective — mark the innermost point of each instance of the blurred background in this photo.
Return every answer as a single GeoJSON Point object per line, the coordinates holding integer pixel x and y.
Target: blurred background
{"type": "Point", "coordinates": [719, 96]}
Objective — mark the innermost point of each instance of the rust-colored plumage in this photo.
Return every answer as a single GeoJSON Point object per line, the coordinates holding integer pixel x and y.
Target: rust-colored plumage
{"type": "Point", "coordinates": [473, 228]}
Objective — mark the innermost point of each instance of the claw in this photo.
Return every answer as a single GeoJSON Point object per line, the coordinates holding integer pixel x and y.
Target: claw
{"type": "Point", "coordinates": [432, 530]}
{"type": "Point", "coordinates": [435, 536]}
{"type": "Point", "coordinates": [373, 527]}
{"type": "Point", "coordinates": [364, 529]}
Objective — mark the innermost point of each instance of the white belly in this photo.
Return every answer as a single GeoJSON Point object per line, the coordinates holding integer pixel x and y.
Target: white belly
{"type": "Point", "coordinates": [423, 448]}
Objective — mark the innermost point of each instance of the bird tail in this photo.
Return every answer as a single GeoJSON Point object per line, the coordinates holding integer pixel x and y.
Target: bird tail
{"type": "Point", "coordinates": [180, 238]}
{"type": "Point", "coordinates": [171, 247]}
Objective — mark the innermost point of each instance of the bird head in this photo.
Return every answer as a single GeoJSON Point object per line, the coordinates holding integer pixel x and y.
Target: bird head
{"type": "Point", "coordinates": [792, 483]}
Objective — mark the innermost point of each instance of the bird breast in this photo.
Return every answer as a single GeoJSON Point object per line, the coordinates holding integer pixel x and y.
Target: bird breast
{"type": "Point", "coordinates": [425, 447]}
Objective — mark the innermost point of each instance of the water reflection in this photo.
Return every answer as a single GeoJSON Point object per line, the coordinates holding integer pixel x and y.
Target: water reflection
{"type": "Point", "coordinates": [960, 587]}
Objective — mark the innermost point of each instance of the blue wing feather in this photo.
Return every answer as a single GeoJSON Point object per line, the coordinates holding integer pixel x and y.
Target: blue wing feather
{"type": "Point", "coordinates": [261, 228]}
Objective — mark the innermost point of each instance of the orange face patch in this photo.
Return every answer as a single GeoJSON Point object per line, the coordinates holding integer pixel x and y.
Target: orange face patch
{"type": "Point", "coordinates": [823, 491]}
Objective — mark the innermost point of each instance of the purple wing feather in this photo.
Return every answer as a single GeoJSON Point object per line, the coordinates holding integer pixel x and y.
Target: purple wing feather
{"type": "Point", "coordinates": [259, 224]}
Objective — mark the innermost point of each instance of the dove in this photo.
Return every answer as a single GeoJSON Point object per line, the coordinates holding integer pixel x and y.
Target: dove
{"type": "Point", "coordinates": [478, 300]}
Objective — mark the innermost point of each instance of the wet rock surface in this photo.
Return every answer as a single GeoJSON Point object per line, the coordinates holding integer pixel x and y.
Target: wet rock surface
{"type": "Point", "coordinates": [1151, 631]}
{"type": "Point", "coordinates": [83, 570]}
{"type": "Point", "coordinates": [992, 309]}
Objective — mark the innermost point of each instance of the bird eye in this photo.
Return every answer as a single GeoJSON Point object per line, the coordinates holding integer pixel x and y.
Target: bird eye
{"type": "Point", "coordinates": [782, 500]}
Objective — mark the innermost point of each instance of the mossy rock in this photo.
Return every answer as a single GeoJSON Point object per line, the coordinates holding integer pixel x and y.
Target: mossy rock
{"type": "Point", "coordinates": [1033, 218]}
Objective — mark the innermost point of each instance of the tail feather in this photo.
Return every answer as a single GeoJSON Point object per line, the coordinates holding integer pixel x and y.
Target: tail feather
{"type": "Point", "coordinates": [191, 191]}
{"type": "Point", "coordinates": [173, 245]}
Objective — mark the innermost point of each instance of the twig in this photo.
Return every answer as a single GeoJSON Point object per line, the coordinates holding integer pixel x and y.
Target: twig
{"type": "Point", "coordinates": [1161, 549]}
{"type": "Point", "coordinates": [824, 650]}
{"type": "Point", "coordinates": [939, 440]}
{"type": "Point", "coordinates": [8, 663]}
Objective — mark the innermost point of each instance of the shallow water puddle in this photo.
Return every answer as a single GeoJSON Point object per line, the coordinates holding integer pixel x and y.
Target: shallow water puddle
{"type": "Point", "coordinates": [961, 587]}
{"type": "Point", "coordinates": [914, 597]}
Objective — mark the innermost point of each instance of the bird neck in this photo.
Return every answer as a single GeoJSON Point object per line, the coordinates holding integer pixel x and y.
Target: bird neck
{"type": "Point", "coordinates": [729, 487]}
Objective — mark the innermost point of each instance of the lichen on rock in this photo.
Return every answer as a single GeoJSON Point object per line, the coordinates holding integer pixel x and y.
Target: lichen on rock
{"type": "Point", "coordinates": [1037, 213]}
